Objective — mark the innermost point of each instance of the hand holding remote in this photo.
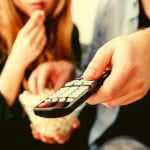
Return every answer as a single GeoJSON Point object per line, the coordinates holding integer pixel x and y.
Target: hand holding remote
{"type": "Point", "coordinates": [69, 97]}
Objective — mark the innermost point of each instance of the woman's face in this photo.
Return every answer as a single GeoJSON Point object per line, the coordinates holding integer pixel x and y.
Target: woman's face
{"type": "Point", "coordinates": [29, 6]}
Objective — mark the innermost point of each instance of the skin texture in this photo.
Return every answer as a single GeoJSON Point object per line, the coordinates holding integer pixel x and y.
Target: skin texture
{"type": "Point", "coordinates": [129, 59]}
{"type": "Point", "coordinates": [53, 73]}
{"type": "Point", "coordinates": [58, 138]}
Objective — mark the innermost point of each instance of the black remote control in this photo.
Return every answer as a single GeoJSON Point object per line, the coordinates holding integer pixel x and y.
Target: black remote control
{"type": "Point", "coordinates": [69, 97]}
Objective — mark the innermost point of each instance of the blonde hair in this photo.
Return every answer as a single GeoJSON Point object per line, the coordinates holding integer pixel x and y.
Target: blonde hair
{"type": "Point", "coordinates": [59, 36]}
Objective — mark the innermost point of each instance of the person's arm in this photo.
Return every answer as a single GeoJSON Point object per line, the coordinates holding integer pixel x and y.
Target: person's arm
{"type": "Point", "coordinates": [10, 80]}
{"type": "Point", "coordinates": [24, 51]}
{"type": "Point", "coordinates": [129, 59]}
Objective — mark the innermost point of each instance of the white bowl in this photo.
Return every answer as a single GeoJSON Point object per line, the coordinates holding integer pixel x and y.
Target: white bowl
{"type": "Point", "coordinates": [46, 126]}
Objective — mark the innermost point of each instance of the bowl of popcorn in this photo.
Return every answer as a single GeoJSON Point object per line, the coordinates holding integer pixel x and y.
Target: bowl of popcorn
{"type": "Point", "coordinates": [46, 126]}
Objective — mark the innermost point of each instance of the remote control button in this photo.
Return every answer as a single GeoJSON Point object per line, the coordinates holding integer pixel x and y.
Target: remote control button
{"type": "Point", "coordinates": [47, 100]}
{"type": "Point", "coordinates": [69, 91]}
{"type": "Point", "coordinates": [62, 99]}
{"type": "Point", "coordinates": [72, 89]}
{"type": "Point", "coordinates": [54, 99]}
{"type": "Point", "coordinates": [79, 78]}
{"type": "Point", "coordinates": [69, 99]}
{"type": "Point", "coordinates": [83, 88]}
{"type": "Point", "coordinates": [43, 104]}
{"type": "Point", "coordinates": [88, 83]}
{"type": "Point", "coordinates": [78, 82]}
{"type": "Point", "coordinates": [62, 89]}
{"type": "Point", "coordinates": [78, 92]}
{"type": "Point", "coordinates": [46, 104]}
{"type": "Point", "coordinates": [58, 93]}
{"type": "Point", "coordinates": [71, 83]}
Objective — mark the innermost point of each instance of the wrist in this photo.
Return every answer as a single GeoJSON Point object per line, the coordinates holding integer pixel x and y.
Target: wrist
{"type": "Point", "coordinates": [18, 62]}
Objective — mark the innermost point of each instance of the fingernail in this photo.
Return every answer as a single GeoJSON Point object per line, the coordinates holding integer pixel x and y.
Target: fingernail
{"type": "Point", "coordinates": [107, 105]}
{"type": "Point", "coordinates": [39, 14]}
{"type": "Point", "coordinates": [76, 124]}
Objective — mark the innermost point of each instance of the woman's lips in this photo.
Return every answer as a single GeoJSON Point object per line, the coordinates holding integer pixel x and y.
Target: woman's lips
{"type": "Point", "coordinates": [37, 5]}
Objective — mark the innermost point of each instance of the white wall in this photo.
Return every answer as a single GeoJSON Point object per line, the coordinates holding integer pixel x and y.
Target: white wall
{"type": "Point", "coordinates": [83, 12]}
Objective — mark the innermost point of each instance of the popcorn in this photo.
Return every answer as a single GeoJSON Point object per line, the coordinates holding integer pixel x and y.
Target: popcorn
{"type": "Point", "coordinates": [46, 126]}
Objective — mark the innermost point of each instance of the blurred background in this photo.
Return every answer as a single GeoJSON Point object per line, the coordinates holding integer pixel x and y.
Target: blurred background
{"type": "Point", "coordinates": [84, 18]}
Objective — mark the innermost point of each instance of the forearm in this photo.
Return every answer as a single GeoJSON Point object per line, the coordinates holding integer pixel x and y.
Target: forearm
{"type": "Point", "coordinates": [10, 79]}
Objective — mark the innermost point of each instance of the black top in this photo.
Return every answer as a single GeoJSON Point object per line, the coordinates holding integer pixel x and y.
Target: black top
{"type": "Point", "coordinates": [144, 21]}
{"type": "Point", "coordinates": [5, 111]}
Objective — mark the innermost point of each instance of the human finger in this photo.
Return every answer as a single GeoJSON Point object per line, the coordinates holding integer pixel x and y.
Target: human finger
{"type": "Point", "coordinates": [50, 140]}
{"type": "Point", "coordinates": [46, 139]}
{"type": "Point", "coordinates": [37, 37]}
{"type": "Point", "coordinates": [36, 18]}
{"type": "Point", "coordinates": [60, 81]}
{"type": "Point", "coordinates": [98, 64]}
{"type": "Point", "coordinates": [35, 134]}
{"type": "Point", "coordinates": [103, 96]}
{"type": "Point", "coordinates": [32, 82]}
{"type": "Point", "coordinates": [121, 72]}
{"type": "Point", "coordinates": [43, 79]}
{"type": "Point", "coordinates": [61, 139]}
{"type": "Point", "coordinates": [128, 98]}
{"type": "Point", "coordinates": [75, 124]}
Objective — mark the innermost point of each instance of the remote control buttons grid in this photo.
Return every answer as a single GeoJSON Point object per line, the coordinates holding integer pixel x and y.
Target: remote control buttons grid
{"type": "Point", "coordinates": [88, 83]}
{"type": "Point", "coordinates": [70, 91]}
{"type": "Point", "coordinates": [78, 92]}
{"type": "Point", "coordinates": [73, 83]}
{"type": "Point", "coordinates": [66, 99]}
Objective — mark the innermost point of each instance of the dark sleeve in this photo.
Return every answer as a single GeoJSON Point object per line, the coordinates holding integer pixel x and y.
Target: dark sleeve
{"type": "Point", "coordinates": [3, 58]}
{"type": "Point", "coordinates": [76, 45]}
{"type": "Point", "coordinates": [5, 111]}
